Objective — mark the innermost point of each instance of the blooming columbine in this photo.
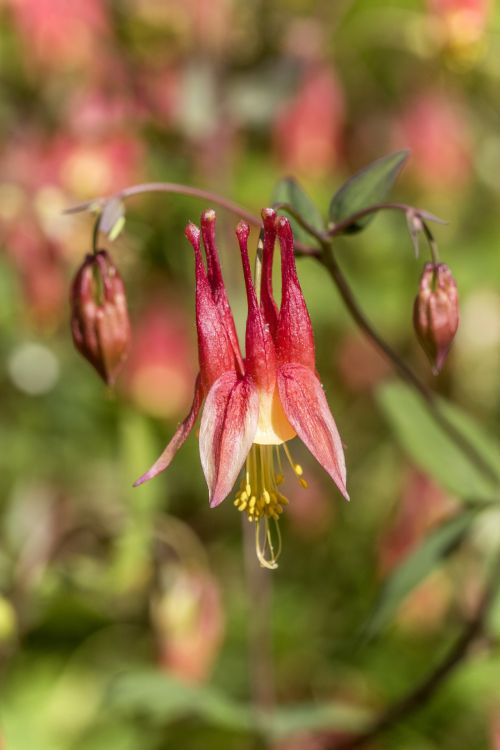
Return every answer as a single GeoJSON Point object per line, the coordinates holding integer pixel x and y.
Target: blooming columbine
{"type": "Point", "coordinates": [254, 405]}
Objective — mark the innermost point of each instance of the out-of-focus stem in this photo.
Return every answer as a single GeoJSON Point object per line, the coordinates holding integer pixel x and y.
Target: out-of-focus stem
{"type": "Point", "coordinates": [170, 187]}
{"type": "Point", "coordinates": [432, 243]}
{"type": "Point", "coordinates": [187, 190]}
{"type": "Point", "coordinates": [95, 233]}
{"type": "Point", "coordinates": [259, 594]}
{"type": "Point", "coordinates": [418, 696]}
{"type": "Point", "coordinates": [343, 225]}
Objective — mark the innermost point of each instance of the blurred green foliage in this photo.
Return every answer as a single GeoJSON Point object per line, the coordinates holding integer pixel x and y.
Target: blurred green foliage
{"type": "Point", "coordinates": [125, 614]}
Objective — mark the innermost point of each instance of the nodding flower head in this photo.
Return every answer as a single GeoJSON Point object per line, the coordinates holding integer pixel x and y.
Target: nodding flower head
{"type": "Point", "coordinates": [255, 404]}
{"type": "Point", "coordinates": [99, 318]}
{"type": "Point", "coordinates": [436, 313]}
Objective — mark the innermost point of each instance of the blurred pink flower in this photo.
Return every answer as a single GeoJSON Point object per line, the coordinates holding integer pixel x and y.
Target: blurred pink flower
{"type": "Point", "coordinates": [95, 112]}
{"type": "Point", "coordinates": [188, 620]}
{"type": "Point", "coordinates": [30, 160]}
{"type": "Point", "coordinates": [160, 370]}
{"type": "Point", "coordinates": [59, 33]}
{"type": "Point", "coordinates": [426, 606]}
{"type": "Point", "coordinates": [436, 129]}
{"type": "Point", "coordinates": [211, 20]}
{"type": "Point", "coordinates": [307, 741]}
{"type": "Point", "coordinates": [422, 505]}
{"type": "Point", "coordinates": [161, 93]}
{"type": "Point", "coordinates": [308, 131]}
{"type": "Point", "coordinates": [463, 22]}
{"type": "Point", "coordinates": [83, 166]}
{"type": "Point", "coordinates": [495, 730]}
{"type": "Point", "coordinates": [42, 277]}
{"type": "Point", "coordinates": [360, 366]}
{"type": "Point", "coordinates": [40, 177]}
{"type": "Point", "coordinates": [88, 168]}
{"type": "Point", "coordinates": [310, 512]}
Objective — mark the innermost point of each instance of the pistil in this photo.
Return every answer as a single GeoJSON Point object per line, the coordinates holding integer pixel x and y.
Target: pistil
{"type": "Point", "coordinates": [262, 501]}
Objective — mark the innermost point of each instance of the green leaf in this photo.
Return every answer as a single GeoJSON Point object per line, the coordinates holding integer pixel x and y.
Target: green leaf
{"type": "Point", "coordinates": [289, 191]}
{"type": "Point", "coordinates": [370, 185]}
{"type": "Point", "coordinates": [433, 450]}
{"type": "Point", "coordinates": [290, 720]}
{"type": "Point", "coordinates": [163, 698]}
{"type": "Point", "coordinates": [417, 566]}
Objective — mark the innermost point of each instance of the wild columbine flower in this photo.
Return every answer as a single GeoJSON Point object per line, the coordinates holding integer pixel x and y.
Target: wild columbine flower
{"type": "Point", "coordinates": [99, 318]}
{"type": "Point", "coordinates": [436, 313]}
{"type": "Point", "coordinates": [254, 405]}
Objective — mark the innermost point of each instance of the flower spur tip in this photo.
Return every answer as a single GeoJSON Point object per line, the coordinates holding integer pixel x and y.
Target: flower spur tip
{"type": "Point", "coordinates": [192, 233]}
{"type": "Point", "coordinates": [242, 230]}
{"type": "Point", "coordinates": [268, 214]}
{"type": "Point", "coordinates": [208, 215]}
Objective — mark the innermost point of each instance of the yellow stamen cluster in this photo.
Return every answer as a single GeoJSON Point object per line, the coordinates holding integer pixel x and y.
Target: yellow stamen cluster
{"type": "Point", "coordinates": [261, 499]}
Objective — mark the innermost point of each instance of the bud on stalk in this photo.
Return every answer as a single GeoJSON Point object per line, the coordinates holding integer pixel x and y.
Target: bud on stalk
{"type": "Point", "coordinates": [435, 313]}
{"type": "Point", "coordinates": [99, 317]}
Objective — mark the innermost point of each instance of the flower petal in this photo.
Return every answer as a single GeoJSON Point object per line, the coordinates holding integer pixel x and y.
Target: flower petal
{"type": "Point", "coordinates": [228, 427]}
{"type": "Point", "coordinates": [267, 303]}
{"type": "Point", "coordinates": [178, 439]}
{"type": "Point", "coordinates": [215, 351]}
{"type": "Point", "coordinates": [294, 335]}
{"type": "Point", "coordinates": [260, 355]}
{"type": "Point", "coordinates": [308, 412]}
{"type": "Point", "coordinates": [216, 281]}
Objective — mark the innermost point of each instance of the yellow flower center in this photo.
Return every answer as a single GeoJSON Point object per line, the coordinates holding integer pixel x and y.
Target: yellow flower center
{"type": "Point", "coordinates": [273, 427]}
{"type": "Point", "coordinates": [261, 499]}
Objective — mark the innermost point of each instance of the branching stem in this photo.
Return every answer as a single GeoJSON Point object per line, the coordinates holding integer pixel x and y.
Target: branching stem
{"type": "Point", "coordinates": [342, 226]}
{"type": "Point", "coordinates": [420, 695]}
{"type": "Point", "coordinates": [404, 371]}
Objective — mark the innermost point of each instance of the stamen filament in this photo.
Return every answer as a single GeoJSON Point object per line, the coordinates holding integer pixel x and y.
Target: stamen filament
{"type": "Point", "coordinates": [262, 501]}
{"type": "Point", "coordinates": [297, 468]}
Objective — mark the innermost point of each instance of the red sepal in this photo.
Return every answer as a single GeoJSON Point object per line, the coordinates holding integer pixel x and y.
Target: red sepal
{"type": "Point", "coordinates": [267, 303]}
{"type": "Point", "coordinates": [260, 356]}
{"type": "Point", "coordinates": [215, 352]}
{"type": "Point", "coordinates": [216, 282]}
{"type": "Point", "coordinates": [305, 405]}
{"type": "Point", "coordinates": [294, 335]}
{"type": "Point", "coordinates": [178, 439]}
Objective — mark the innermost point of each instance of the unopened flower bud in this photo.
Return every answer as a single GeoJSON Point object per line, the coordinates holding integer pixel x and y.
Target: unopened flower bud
{"type": "Point", "coordinates": [435, 313]}
{"type": "Point", "coordinates": [99, 317]}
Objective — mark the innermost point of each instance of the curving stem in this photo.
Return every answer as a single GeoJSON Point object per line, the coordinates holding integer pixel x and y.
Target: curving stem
{"type": "Point", "coordinates": [420, 695]}
{"type": "Point", "coordinates": [404, 371]}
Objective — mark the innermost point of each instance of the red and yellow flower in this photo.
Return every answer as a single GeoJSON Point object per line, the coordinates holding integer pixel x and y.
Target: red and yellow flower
{"type": "Point", "coordinates": [254, 405]}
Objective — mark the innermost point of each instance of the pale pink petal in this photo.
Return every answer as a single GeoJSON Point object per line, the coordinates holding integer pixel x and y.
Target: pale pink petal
{"type": "Point", "coordinates": [305, 405]}
{"type": "Point", "coordinates": [228, 427]}
{"type": "Point", "coordinates": [178, 439]}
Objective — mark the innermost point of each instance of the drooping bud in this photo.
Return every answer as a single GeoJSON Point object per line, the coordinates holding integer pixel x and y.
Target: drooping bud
{"type": "Point", "coordinates": [99, 317]}
{"type": "Point", "coordinates": [436, 313]}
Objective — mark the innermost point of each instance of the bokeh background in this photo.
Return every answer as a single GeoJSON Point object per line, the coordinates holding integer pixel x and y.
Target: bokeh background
{"type": "Point", "coordinates": [127, 617]}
